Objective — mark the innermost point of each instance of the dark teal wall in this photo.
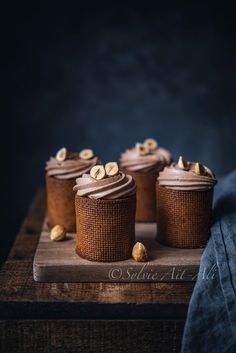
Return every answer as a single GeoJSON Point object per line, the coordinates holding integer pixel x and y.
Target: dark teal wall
{"type": "Point", "coordinates": [110, 76]}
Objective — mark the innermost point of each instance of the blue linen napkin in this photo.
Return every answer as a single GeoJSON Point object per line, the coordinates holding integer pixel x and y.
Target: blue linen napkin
{"type": "Point", "coordinates": [211, 320]}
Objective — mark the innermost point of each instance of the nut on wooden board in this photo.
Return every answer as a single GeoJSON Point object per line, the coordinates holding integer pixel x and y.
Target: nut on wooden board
{"type": "Point", "coordinates": [58, 233]}
{"type": "Point", "coordinates": [139, 252]}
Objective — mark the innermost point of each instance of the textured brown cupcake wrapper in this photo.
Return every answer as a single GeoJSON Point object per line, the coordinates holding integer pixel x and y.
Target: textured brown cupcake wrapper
{"type": "Point", "coordinates": [183, 217]}
{"type": "Point", "coordinates": [61, 202]}
{"type": "Point", "coordinates": [105, 228]}
{"type": "Point", "coordinates": [146, 195]}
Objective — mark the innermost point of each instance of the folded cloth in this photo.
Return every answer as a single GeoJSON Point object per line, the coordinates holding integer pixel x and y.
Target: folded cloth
{"type": "Point", "coordinates": [211, 320]}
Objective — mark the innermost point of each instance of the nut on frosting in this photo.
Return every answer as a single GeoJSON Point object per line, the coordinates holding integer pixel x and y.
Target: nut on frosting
{"type": "Point", "coordinates": [186, 175]}
{"type": "Point", "coordinates": [109, 187]}
{"type": "Point", "coordinates": [86, 154]}
{"type": "Point", "coordinates": [61, 154]}
{"type": "Point", "coordinates": [145, 157]}
{"type": "Point", "coordinates": [99, 172]}
{"type": "Point", "coordinates": [67, 165]}
{"type": "Point", "coordinates": [111, 168]}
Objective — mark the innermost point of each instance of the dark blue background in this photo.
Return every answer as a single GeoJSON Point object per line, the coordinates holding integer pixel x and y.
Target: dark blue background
{"type": "Point", "coordinates": [105, 76]}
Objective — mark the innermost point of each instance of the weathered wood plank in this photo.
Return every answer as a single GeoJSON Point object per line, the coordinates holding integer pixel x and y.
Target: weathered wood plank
{"type": "Point", "coordinates": [20, 296]}
{"type": "Point", "coordinates": [58, 262]}
{"type": "Point", "coordinates": [28, 236]}
{"type": "Point", "coordinates": [90, 336]}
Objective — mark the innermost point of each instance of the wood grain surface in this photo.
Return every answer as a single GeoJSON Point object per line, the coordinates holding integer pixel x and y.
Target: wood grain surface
{"type": "Point", "coordinates": [58, 262]}
{"type": "Point", "coordinates": [84, 317]}
{"type": "Point", "coordinates": [22, 297]}
{"type": "Point", "coordinates": [90, 336]}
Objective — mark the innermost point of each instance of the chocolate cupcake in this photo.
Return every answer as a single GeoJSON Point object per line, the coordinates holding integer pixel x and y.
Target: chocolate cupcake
{"type": "Point", "coordinates": [105, 205]}
{"type": "Point", "coordinates": [61, 173]}
{"type": "Point", "coordinates": [184, 204]}
{"type": "Point", "coordinates": [143, 163]}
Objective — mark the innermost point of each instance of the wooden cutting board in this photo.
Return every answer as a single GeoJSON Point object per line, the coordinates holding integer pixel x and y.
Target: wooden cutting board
{"type": "Point", "coordinates": [58, 262]}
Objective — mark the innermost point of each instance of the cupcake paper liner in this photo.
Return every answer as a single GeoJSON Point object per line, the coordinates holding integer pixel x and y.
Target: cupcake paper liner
{"type": "Point", "coordinates": [183, 217]}
{"type": "Point", "coordinates": [105, 228]}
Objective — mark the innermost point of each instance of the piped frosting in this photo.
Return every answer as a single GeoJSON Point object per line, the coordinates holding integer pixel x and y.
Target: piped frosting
{"type": "Point", "coordinates": [151, 161]}
{"type": "Point", "coordinates": [72, 167]}
{"type": "Point", "coordinates": [109, 188]}
{"type": "Point", "coordinates": [187, 176]}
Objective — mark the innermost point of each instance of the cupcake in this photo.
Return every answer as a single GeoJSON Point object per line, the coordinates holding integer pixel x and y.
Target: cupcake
{"type": "Point", "coordinates": [184, 204]}
{"type": "Point", "coordinates": [143, 163]}
{"type": "Point", "coordinates": [105, 205]}
{"type": "Point", "coordinates": [61, 173]}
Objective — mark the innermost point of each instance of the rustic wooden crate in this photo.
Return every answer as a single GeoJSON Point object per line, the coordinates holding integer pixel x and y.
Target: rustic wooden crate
{"type": "Point", "coordinates": [84, 317]}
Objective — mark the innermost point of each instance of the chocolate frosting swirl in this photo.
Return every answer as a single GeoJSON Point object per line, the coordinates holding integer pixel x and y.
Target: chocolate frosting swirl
{"type": "Point", "coordinates": [111, 188]}
{"type": "Point", "coordinates": [175, 178]}
{"type": "Point", "coordinates": [72, 167]}
{"type": "Point", "coordinates": [151, 162]}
